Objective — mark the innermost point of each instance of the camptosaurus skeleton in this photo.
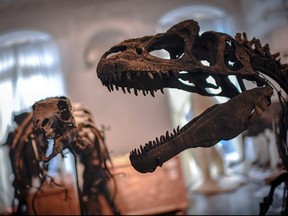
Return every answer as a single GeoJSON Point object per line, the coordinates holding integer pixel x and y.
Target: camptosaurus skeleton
{"type": "Point", "coordinates": [70, 126]}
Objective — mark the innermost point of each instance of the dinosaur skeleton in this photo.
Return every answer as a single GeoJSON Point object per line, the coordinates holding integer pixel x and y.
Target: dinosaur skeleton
{"type": "Point", "coordinates": [69, 126]}
{"type": "Point", "coordinates": [131, 65]}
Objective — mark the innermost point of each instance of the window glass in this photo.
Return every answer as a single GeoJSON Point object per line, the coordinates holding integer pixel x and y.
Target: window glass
{"type": "Point", "coordinates": [29, 71]}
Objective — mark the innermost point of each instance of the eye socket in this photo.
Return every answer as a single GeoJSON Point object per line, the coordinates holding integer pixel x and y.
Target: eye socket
{"type": "Point", "coordinates": [171, 43]}
{"type": "Point", "coordinates": [44, 122]}
{"type": "Point", "coordinates": [62, 105]}
{"type": "Point", "coordinates": [65, 115]}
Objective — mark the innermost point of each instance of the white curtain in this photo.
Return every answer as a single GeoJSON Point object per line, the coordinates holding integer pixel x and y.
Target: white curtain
{"type": "Point", "coordinates": [30, 70]}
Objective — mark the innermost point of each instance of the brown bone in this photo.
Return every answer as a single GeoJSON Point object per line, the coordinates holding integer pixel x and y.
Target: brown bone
{"type": "Point", "coordinates": [53, 119]}
{"type": "Point", "coordinates": [131, 65]}
{"type": "Point", "coordinates": [219, 122]}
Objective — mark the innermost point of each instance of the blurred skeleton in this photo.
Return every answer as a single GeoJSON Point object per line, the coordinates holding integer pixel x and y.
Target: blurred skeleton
{"type": "Point", "coordinates": [68, 126]}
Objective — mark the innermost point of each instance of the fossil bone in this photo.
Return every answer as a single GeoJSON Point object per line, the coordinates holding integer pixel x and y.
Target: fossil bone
{"type": "Point", "coordinates": [69, 125]}
{"type": "Point", "coordinates": [132, 65]}
{"type": "Point", "coordinates": [219, 122]}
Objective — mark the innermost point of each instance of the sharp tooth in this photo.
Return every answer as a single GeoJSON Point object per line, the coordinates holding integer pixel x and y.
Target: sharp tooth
{"type": "Point", "coordinates": [152, 93]}
{"type": "Point", "coordinates": [144, 93]}
{"type": "Point", "coordinates": [108, 86]}
{"type": "Point", "coordinates": [123, 89]}
{"type": "Point", "coordinates": [128, 89]}
{"type": "Point", "coordinates": [150, 75]}
{"type": "Point", "coordinates": [162, 90]}
{"type": "Point", "coordinates": [174, 131]}
{"type": "Point", "coordinates": [117, 87]}
{"type": "Point", "coordinates": [135, 92]}
{"type": "Point", "coordinates": [146, 147]}
{"type": "Point", "coordinates": [132, 155]}
{"type": "Point", "coordinates": [162, 139]}
{"type": "Point", "coordinates": [112, 88]}
{"type": "Point", "coordinates": [167, 134]}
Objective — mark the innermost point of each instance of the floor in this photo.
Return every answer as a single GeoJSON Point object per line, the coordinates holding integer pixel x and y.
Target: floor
{"type": "Point", "coordinates": [244, 200]}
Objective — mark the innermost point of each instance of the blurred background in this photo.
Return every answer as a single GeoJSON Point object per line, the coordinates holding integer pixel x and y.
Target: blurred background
{"type": "Point", "coordinates": [51, 48]}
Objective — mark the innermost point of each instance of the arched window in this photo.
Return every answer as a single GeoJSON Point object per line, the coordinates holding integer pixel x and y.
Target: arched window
{"type": "Point", "coordinates": [208, 17]}
{"type": "Point", "coordinates": [29, 71]}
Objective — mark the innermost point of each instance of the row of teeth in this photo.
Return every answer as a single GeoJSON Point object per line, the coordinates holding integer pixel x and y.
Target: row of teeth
{"type": "Point", "coordinates": [155, 143]}
{"type": "Point", "coordinates": [107, 80]}
{"type": "Point", "coordinates": [151, 75]}
{"type": "Point", "coordinates": [135, 91]}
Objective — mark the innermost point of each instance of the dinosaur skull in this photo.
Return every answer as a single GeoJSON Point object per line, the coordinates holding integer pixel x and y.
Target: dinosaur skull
{"type": "Point", "coordinates": [131, 64]}
{"type": "Point", "coordinates": [53, 120]}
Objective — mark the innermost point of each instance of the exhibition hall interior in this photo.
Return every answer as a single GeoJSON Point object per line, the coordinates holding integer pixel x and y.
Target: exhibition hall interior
{"type": "Point", "coordinates": [131, 107]}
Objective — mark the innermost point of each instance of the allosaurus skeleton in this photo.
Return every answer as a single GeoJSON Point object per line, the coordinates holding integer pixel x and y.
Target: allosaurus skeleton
{"type": "Point", "coordinates": [131, 66]}
{"type": "Point", "coordinates": [70, 126]}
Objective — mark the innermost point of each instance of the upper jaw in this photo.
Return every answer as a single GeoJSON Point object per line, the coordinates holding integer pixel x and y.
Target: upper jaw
{"type": "Point", "coordinates": [118, 72]}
